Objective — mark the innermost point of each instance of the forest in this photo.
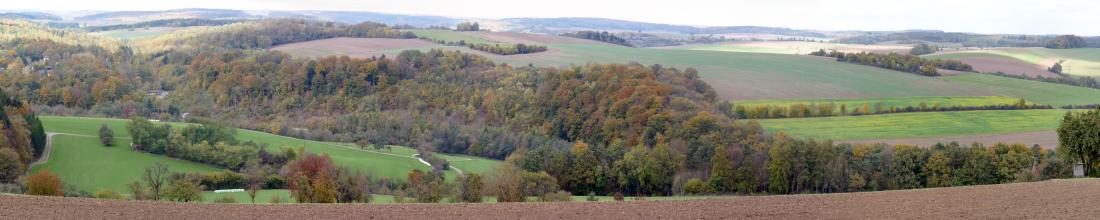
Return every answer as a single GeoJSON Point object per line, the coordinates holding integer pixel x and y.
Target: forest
{"type": "Point", "coordinates": [598, 129]}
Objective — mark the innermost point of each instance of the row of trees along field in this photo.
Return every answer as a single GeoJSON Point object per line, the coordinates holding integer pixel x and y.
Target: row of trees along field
{"type": "Point", "coordinates": [599, 36]}
{"type": "Point", "coordinates": [596, 128]}
{"type": "Point", "coordinates": [900, 62]}
{"type": "Point", "coordinates": [1082, 81]}
{"type": "Point", "coordinates": [467, 26]}
{"type": "Point", "coordinates": [497, 49]}
{"type": "Point", "coordinates": [804, 110]}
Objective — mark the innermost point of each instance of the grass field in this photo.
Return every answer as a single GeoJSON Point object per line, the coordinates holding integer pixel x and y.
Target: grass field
{"type": "Point", "coordinates": [887, 103]}
{"type": "Point", "coordinates": [1041, 92]}
{"type": "Point", "coordinates": [452, 36]}
{"type": "Point", "coordinates": [85, 163]}
{"type": "Point", "coordinates": [923, 124]}
{"type": "Point", "coordinates": [1082, 61]}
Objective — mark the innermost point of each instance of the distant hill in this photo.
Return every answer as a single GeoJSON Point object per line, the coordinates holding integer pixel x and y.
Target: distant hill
{"type": "Point", "coordinates": [565, 25]}
{"type": "Point", "coordinates": [352, 17]}
{"type": "Point", "coordinates": [30, 16]}
{"type": "Point", "coordinates": [130, 17]}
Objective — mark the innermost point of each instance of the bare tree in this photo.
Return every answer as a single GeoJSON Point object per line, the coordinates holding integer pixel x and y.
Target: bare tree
{"type": "Point", "coordinates": [154, 177]}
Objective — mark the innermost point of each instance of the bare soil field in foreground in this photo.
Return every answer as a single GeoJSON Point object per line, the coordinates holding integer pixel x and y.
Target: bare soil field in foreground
{"type": "Point", "coordinates": [1045, 139]}
{"type": "Point", "coordinates": [1063, 199]}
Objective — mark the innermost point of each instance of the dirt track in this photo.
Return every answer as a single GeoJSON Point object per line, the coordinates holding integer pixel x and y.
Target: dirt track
{"type": "Point", "coordinates": [1072, 199]}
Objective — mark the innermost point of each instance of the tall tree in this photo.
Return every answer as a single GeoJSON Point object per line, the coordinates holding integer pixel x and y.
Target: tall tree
{"type": "Point", "coordinates": [1079, 138]}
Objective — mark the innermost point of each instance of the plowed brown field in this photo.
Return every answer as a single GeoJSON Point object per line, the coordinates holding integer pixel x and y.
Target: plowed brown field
{"type": "Point", "coordinates": [1062, 199]}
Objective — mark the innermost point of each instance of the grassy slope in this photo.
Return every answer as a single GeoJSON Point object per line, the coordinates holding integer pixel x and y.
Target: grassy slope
{"type": "Point", "coordinates": [924, 124]}
{"type": "Point", "coordinates": [85, 163]}
{"type": "Point", "coordinates": [892, 102]}
{"type": "Point", "coordinates": [1041, 92]}
{"type": "Point", "coordinates": [71, 156]}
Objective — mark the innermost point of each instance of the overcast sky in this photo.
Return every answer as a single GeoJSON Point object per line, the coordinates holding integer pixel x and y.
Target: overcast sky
{"type": "Point", "coordinates": [982, 16]}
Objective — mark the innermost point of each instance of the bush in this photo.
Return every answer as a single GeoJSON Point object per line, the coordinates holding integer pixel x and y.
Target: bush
{"type": "Point", "coordinates": [470, 187]}
{"type": "Point", "coordinates": [619, 196]}
{"type": "Point", "coordinates": [11, 188]}
{"type": "Point", "coordinates": [592, 197]}
{"type": "Point", "coordinates": [226, 199]}
{"type": "Point", "coordinates": [108, 194]}
{"type": "Point", "coordinates": [184, 191]}
{"type": "Point", "coordinates": [560, 196]}
{"type": "Point", "coordinates": [695, 186]}
{"type": "Point", "coordinates": [106, 135]}
{"type": "Point", "coordinates": [277, 199]}
{"type": "Point", "coordinates": [44, 184]}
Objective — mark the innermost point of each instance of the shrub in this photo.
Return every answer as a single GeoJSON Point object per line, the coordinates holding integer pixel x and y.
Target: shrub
{"type": "Point", "coordinates": [108, 194]}
{"type": "Point", "coordinates": [139, 191]}
{"type": "Point", "coordinates": [11, 188]}
{"type": "Point", "coordinates": [618, 196]}
{"type": "Point", "coordinates": [592, 197]}
{"type": "Point", "coordinates": [470, 187]}
{"type": "Point", "coordinates": [225, 199]}
{"type": "Point", "coordinates": [106, 135]}
{"type": "Point", "coordinates": [695, 186]}
{"type": "Point", "coordinates": [184, 190]}
{"type": "Point", "coordinates": [44, 184]}
{"type": "Point", "coordinates": [277, 199]}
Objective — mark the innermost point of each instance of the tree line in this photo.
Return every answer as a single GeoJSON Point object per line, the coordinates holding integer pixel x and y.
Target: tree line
{"type": "Point", "coordinates": [1081, 81]}
{"type": "Point", "coordinates": [467, 26]}
{"type": "Point", "coordinates": [899, 62]}
{"type": "Point", "coordinates": [600, 36]}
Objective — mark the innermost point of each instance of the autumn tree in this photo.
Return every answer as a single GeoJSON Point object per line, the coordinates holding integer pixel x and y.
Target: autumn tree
{"type": "Point", "coordinates": [585, 172]}
{"type": "Point", "coordinates": [938, 169]}
{"type": "Point", "coordinates": [44, 183]}
{"type": "Point", "coordinates": [10, 166]}
{"type": "Point", "coordinates": [722, 172]}
{"type": "Point", "coordinates": [310, 178]}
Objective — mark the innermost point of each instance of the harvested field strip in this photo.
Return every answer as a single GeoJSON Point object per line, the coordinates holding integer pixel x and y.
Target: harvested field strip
{"type": "Point", "coordinates": [921, 124]}
{"type": "Point", "coordinates": [1073, 199]}
{"type": "Point", "coordinates": [1045, 139]}
{"type": "Point", "coordinates": [887, 103]}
